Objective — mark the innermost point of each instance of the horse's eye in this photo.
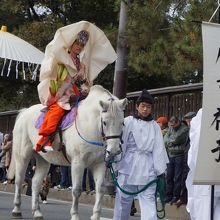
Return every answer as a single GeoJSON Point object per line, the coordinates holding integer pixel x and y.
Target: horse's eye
{"type": "Point", "coordinates": [104, 123]}
{"type": "Point", "coordinates": [123, 124]}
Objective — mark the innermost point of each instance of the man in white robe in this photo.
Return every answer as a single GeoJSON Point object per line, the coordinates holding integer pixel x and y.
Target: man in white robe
{"type": "Point", "coordinates": [199, 196]}
{"type": "Point", "coordinates": [144, 158]}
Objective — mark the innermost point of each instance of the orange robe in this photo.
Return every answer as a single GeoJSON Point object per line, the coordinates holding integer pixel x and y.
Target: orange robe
{"type": "Point", "coordinates": [52, 118]}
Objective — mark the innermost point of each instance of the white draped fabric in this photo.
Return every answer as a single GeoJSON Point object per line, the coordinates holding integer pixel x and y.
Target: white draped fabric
{"type": "Point", "coordinates": [147, 157]}
{"type": "Point", "coordinates": [97, 54]}
{"type": "Point", "coordinates": [199, 196]}
{"type": "Point", "coordinates": [210, 132]}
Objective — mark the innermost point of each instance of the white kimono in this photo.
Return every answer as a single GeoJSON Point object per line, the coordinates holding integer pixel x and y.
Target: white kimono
{"type": "Point", "coordinates": [199, 196]}
{"type": "Point", "coordinates": [148, 158]}
{"type": "Point", "coordinates": [144, 158]}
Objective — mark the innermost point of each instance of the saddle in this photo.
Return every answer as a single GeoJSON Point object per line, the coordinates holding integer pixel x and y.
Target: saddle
{"type": "Point", "coordinates": [65, 123]}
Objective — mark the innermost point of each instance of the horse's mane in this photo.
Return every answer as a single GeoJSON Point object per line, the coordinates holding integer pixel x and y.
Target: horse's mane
{"type": "Point", "coordinates": [99, 89]}
{"type": "Point", "coordinates": [99, 93]}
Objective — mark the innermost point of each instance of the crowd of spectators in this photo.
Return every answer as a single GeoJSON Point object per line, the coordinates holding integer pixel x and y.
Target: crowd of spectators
{"type": "Point", "coordinates": [176, 139]}
{"type": "Point", "coordinates": [59, 177]}
{"type": "Point", "coordinates": [5, 155]}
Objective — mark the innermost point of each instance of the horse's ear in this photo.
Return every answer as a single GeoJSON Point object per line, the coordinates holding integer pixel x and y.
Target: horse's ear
{"type": "Point", "coordinates": [104, 105]}
{"type": "Point", "coordinates": [123, 103]}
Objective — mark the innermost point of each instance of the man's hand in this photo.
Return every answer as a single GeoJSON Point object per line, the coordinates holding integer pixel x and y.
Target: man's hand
{"type": "Point", "coordinates": [84, 90]}
{"type": "Point", "coordinates": [161, 175]}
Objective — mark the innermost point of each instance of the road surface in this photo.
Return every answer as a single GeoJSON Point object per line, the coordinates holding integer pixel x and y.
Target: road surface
{"type": "Point", "coordinates": [54, 210]}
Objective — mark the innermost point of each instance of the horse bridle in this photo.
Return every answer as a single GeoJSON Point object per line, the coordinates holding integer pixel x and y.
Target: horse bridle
{"type": "Point", "coordinates": [105, 138]}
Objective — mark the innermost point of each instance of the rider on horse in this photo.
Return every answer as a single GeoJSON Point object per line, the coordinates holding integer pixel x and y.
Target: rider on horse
{"type": "Point", "coordinates": [63, 89]}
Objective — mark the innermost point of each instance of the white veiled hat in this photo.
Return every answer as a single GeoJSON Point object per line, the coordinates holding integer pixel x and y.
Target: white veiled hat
{"type": "Point", "coordinates": [97, 54]}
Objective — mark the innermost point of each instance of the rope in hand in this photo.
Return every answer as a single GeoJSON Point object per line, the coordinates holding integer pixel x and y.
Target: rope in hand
{"type": "Point", "coordinates": [159, 190]}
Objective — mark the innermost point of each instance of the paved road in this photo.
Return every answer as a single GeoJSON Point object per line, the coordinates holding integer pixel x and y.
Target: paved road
{"type": "Point", "coordinates": [54, 210]}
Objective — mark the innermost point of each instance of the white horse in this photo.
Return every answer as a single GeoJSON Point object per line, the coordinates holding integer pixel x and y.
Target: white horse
{"type": "Point", "coordinates": [100, 118]}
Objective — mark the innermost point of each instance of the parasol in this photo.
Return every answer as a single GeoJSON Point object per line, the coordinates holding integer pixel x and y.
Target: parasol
{"type": "Point", "coordinates": [13, 48]}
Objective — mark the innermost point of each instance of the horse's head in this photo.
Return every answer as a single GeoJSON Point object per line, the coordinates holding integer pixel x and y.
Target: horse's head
{"type": "Point", "coordinates": [112, 119]}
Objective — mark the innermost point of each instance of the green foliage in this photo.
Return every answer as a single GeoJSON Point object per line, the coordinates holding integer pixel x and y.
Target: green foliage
{"type": "Point", "coordinates": [38, 28]}
{"type": "Point", "coordinates": [37, 33]}
{"type": "Point", "coordinates": [16, 94]}
{"type": "Point", "coordinates": [164, 37]}
{"type": "Point", "coordinates": [10, 17]}
{"type": "Point", "coordinates": [100, 12]}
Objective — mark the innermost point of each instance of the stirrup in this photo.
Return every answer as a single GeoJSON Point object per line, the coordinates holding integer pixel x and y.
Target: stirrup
{"type": "Point", "coordinates": [46, 149]}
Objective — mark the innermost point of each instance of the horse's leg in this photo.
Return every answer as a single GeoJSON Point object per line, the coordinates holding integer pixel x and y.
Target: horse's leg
{"type": "Point", "coordinates": [42, 168]}
{"type": "Point", "coordinates": [21, 167]}
{"type": "Point", "coordinates": [77, 174]}
{"type": "Point", "coordinates": [21, 154]}
{"type": "Point", "coordinates": [99, 174]}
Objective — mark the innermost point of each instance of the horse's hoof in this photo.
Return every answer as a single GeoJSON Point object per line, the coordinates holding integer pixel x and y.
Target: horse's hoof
{"type": "Point", "coordinates": [95, 217]}
{"type": "Point", "coordinates": [37, 215]}
{"type": "Point", "coordinates": [38, 218]}
{"type": "Point", "coordinates": [75, 217]}
{"type": "Point", "coordinates": [16, 215]}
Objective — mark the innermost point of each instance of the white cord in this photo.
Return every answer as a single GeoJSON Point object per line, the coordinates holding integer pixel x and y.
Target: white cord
{"type": "Point", "coordinates": [215, 11]}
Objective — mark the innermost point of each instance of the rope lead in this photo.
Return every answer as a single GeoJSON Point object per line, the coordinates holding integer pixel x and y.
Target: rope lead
{"type": "Point", "coordinates": [159, 190]}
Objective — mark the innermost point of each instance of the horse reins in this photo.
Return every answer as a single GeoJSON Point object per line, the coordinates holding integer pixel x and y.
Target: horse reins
{"type": "Point", "coordinates": [104, 137]}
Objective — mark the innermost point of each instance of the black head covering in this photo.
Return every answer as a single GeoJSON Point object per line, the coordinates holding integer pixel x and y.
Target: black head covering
{"type": "Point", "coordinates": [145, 96]}
{"type": "Point", "coordinates": [189, 115]}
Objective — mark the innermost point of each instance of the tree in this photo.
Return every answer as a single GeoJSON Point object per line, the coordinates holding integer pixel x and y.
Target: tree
{"type": "Point", "coordinates": [17, 94]}
{"type": "Point", "coordinates": [37, 21]}
{"type": "Point", "coordinates": [121, 65]}
{"type": "Point", "coordinates": [186, 36]}
{"type": "Point", "coordinates": [164, 38]}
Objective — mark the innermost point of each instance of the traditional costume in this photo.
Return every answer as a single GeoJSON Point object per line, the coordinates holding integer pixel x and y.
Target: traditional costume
{"type": "Point", "coordinates": [144, 158]}
{"type": "Point", "coordinates": [199, 196]}
{"type": "Point", "coordinates": [60, 71]}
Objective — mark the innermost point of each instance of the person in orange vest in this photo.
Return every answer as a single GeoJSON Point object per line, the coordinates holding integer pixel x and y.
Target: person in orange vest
{"type": "Point", "coordinates": [64, 88]}
{"type": "Point", "coordinates": [163, 123]}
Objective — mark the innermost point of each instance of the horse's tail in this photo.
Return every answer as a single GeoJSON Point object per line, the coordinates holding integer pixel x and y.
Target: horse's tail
{"type": "Point", "coordinates": [11, 169]}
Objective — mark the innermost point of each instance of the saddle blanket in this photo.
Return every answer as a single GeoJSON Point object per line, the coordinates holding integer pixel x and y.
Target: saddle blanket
{"type": "Point", "coordinates": [66, 122]}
